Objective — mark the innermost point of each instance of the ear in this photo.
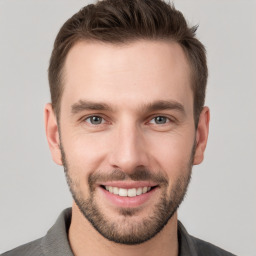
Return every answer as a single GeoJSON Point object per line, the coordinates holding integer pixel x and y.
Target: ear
{"type": "Point", "coordinates": [202, 135]}
{"type": "Point", "coordinates": [52, 133]}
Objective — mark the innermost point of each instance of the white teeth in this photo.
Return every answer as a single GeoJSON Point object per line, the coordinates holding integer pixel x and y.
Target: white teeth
{"type": "Point", "coordinates": [138, 191]}
{"type": "Point", "coordinates": [123, 192]}
{"type": "Point", "coordinates": [116, 190]}
{"type": "Point", "coordinates": [144, 190]}
{"type": "Point", "coordinates": [132, 192]}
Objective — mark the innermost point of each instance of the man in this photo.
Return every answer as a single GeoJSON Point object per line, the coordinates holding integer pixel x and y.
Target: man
{"type": "Point", "coordinates": [127, 121]}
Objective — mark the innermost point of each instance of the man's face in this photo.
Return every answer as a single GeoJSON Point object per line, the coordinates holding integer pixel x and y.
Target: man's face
{"type": "Point", "coordinates": [127, 135]}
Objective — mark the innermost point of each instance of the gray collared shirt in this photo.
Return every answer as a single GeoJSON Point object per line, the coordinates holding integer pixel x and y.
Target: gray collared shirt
{"type": "Point", "coordinates": [55, 242]}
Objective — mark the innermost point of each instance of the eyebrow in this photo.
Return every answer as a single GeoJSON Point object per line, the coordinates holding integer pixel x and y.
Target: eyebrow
{"type": "Point", "coordinates": [165, 105]}
{"type": "Point", "coordinates": [83, 105]}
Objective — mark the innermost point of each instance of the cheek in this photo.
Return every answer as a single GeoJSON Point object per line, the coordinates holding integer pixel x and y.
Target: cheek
{"type": "Point", "coordinates": [85, 152]}
{"type": "Point", "coordinates": [172, 152]}
{"type": "Point", "coordinates": [173, 157]}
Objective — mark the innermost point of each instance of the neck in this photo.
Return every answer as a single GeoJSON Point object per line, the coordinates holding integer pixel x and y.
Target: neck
{"type": "Point", "coordinates": [85, 240]}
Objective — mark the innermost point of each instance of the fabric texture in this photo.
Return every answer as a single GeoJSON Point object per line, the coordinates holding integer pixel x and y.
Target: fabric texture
{"type": "Point", "coordinates": [55, 242]}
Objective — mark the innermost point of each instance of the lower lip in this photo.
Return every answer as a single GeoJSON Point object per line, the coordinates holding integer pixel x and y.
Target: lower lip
{"type": "Point", "coordinates": [128, 202]}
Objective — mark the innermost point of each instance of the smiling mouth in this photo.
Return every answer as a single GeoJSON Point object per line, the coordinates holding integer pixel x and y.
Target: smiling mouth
{"type": "Point", "coordinates": [131, 192]}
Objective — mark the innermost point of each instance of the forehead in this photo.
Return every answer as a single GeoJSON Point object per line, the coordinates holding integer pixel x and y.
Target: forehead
{"type": "Point", "coordinates": [137, 72]}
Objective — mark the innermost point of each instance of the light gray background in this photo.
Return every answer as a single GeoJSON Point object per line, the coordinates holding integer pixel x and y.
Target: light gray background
{"type": "Point", "coordinates": [220, 205]}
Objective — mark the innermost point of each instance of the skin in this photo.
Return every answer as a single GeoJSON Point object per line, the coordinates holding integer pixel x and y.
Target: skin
{"type": "Point", "coordinates": [128, 79]}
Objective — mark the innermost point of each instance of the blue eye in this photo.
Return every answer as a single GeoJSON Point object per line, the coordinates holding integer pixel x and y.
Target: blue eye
{"type": "Point", "coordinates": [159, 120]}
{"type": "Point", "coordinates": [94, 120]}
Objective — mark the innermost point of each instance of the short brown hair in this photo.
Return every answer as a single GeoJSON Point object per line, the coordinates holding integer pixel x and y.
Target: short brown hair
{"type": "Point", "coordinates": [125, 21]}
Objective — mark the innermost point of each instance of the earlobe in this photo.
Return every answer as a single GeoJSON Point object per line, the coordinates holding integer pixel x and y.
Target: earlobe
{"type": "Point", "coordinates": [52, 133]}
{"type": "Point", "coordinates": [202, 135]}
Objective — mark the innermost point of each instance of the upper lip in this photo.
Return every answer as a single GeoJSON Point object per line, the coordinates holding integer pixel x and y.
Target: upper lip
{"type": "Point", "coordinates": [129, 184]}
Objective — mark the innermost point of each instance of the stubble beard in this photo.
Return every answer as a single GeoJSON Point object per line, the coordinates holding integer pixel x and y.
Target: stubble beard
{"type": "Point", "coordinates": [127, 231]}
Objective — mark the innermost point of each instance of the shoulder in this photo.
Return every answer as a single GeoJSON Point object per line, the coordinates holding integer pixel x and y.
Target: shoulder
{"type": "Point", "coordinates": [54, 243]}
{"type": "Point", "coordinates": [30, 249]}
{"type": "Point", "coordinates": [205, 248]}
{"type": "Point", "coordinates": [190, 245]}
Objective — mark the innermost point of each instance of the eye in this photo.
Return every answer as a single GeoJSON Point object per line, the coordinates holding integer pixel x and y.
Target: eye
{"type": "Point", "coordinates": [95, 120]}
{"type": "Point", "coordinates": [159, 120]}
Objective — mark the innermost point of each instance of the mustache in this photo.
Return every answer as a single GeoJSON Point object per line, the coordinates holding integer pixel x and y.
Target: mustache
{"type": "Point", "coordinates": [139, 174]}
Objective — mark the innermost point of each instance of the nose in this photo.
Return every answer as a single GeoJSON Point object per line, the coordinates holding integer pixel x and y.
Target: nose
{"type": "Point", "coordinates": [129, 149]}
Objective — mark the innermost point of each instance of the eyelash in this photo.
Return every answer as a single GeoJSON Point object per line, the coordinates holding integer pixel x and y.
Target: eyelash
{"type": "Point", "coordinates": [90, 117]}
{"type": "Point", "coordinates": [168, 120]}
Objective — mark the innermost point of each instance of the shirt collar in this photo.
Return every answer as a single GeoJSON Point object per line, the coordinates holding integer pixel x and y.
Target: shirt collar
{"type": "Point", "coordinates": [56, 243]}
{"type": "Point", "coordinates": [186, 243]}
